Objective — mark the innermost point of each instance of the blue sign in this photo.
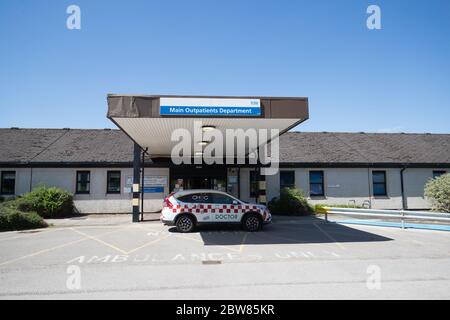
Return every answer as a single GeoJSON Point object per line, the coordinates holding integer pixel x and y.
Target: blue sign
{"type": "Point", "coordinates": [209, 107]}
{"type": "Point", "coordinates": [210, 111]}
{"type": "Point", "coordinates": [153, 189]}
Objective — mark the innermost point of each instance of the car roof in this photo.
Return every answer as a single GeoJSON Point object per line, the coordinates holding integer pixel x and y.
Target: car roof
{"type": "Point", "coordinates": [190, 191]}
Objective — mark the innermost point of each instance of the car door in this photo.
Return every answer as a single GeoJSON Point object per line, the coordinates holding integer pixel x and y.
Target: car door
{"type": "Point", "coordinates": [224, 208]}
{"type": "Point", "coordinates": [196, 203]}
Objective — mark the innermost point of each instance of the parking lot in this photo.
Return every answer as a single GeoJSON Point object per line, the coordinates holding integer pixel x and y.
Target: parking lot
{"type": "Point", "coordinates": [293, 258]}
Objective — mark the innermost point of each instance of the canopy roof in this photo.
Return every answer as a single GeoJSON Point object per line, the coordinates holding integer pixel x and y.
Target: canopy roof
{"type": "Point", "coordinates": [149, 120]}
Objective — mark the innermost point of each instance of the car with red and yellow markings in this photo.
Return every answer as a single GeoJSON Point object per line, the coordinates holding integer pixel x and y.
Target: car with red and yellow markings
{"type": "Point", "coordinates": [189, 208]}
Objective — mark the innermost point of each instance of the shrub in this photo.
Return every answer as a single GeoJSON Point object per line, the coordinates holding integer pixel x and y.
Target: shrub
{"type": "Point", "coordinates": [11, 218]}
{"type": "Point", "coordinates": [438, 192]}
{"type": "Point", "coordinates": [290, 202]}
{"type": "Point", "coordinates": [48, 202]}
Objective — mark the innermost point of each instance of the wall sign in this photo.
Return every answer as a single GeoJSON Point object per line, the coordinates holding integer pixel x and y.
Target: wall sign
{"type": "Point", "coordinates": [152, 181]}
{"type": "Point", "coordinates": [153, 189]}
{"type": "Point", "coordinates": [210, 107]}
{"type": "Point", "coordinates": [152, 184]}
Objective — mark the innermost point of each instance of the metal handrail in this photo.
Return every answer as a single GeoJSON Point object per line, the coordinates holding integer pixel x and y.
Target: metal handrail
{"type": "Point", "coordinates": [401, 214]}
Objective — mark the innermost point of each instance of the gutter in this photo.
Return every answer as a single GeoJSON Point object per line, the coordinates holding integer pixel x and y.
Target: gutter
{"type": "Point", "coordinates": [402, 186]}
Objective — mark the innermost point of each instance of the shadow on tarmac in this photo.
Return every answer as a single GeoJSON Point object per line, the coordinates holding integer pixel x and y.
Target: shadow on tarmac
{"type": "Point", "coordinates": [313, 231]}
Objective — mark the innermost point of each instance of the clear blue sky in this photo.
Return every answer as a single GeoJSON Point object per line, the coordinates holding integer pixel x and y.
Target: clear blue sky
{"type": "Point", "coordinates": [394, 79]}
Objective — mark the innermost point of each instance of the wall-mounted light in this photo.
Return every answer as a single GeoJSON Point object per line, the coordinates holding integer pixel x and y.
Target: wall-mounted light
{"type": "Point", "coordinates": [203, 143]}
{"type": "Point", "coordinates": [208, 128]}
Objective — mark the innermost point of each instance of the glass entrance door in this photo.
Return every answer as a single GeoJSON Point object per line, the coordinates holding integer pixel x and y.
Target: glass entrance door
{"type": "Point", "coordinates": [194, 177]}
{"type": "Point", "coordinates": [198, 183]}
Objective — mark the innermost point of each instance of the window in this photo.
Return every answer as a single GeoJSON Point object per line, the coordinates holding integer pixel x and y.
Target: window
{"type": "Point", "coordinates": [316, 188]}
{"type": "Point", "coordinates": [253, 184]}
{"type": "Point", "coordinates": [195, 198]}
{"type": "Point", "coordinates": [113, 182]}
{"type": "Point", "coordinates": [379, 183]}
{"type": "Point", "coordinates": [221, 198]}
{"type": "Point", "coordinates": [8, 183]}
{"type": "Point", "coordinates": [287, 179]}
{"type": "Point", "coordinates": [83, 182]}
{"type": "Point", "coordinates": [438, 173]}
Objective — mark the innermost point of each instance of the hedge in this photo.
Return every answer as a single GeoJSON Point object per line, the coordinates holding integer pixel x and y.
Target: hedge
{"type": "Point", "coordinates": [11, 218]}
{"type": "Point", "coordinates": [29, 210]}
{"type": "Point", "coordinates": [48, 202]}
{"type": "Point", "coordinates": [290, 202]}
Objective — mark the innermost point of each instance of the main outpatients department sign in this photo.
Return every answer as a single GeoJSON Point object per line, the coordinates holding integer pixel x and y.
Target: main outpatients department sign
{"type": "Point", "coordinates": [210, 107]}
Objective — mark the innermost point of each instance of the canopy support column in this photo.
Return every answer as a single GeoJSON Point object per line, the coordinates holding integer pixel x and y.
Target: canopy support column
{"type": "Point", "coordinates": [261, 186]}
{"type": "Point", "coordinates": [136, 181]}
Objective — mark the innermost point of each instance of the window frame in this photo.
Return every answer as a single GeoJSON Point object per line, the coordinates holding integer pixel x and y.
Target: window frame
{"type": "Point", "coordinates": [77, 181]}
{"type": "Point", "coordinates": [108, 174]}
{"type": "Point", "coordinates": [2, 184]}
{"type": "Point", "coordinates": [317, 183]}
{"type": "Point", "coordinates": [290, 172]}
{"type": "Point", "coordinates": [384, 183]}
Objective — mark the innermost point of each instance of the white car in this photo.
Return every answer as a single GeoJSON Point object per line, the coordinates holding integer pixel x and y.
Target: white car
{"type": "Point", "coordinates": [189, 208]}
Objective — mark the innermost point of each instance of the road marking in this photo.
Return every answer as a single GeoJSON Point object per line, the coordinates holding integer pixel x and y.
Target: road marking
{"type": "Point", "coordinates": [49, 249]}
{"type": "Point", "coordinates": [244, 238]}
{"type": "Point", "coordinates": [147, 244]}
{"type": "Point", "coordinates": [329, 236]}
{"type": "Point", "coordinates": [99, 240]}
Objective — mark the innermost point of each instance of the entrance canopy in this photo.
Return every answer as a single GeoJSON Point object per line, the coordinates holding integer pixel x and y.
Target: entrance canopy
{"type": "Point", "coordinates": [150, 120]}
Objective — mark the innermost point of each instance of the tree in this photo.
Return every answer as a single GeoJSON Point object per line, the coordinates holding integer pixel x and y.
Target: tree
{"type": "Point", "coordinates": [438, 192]}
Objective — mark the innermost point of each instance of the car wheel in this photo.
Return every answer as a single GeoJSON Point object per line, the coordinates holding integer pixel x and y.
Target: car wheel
{"type": "Point", "coordinates": [252, 222]}
{"type": "Point", "coordinates": [185, 224]}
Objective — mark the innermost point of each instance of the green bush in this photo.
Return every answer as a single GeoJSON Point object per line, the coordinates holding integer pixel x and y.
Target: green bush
{"type": "Point", "coordinates": [48, 202]}
{"type": "Point", "coordinates": [290, 202]}
{"type": "Point", "coordinates": [438, 192]}
{"type": "Point", "coordinates": [11, 218]}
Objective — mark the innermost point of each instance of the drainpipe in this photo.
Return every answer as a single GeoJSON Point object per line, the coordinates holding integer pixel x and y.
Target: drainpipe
{"type": "Point", "coordinates": [31, 178]}
{"type": "Point", "coordinates": [402, 185]}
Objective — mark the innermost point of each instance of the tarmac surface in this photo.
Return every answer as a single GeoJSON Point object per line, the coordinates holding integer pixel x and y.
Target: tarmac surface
{"type": "Point", "coordinates": [107, 257]}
